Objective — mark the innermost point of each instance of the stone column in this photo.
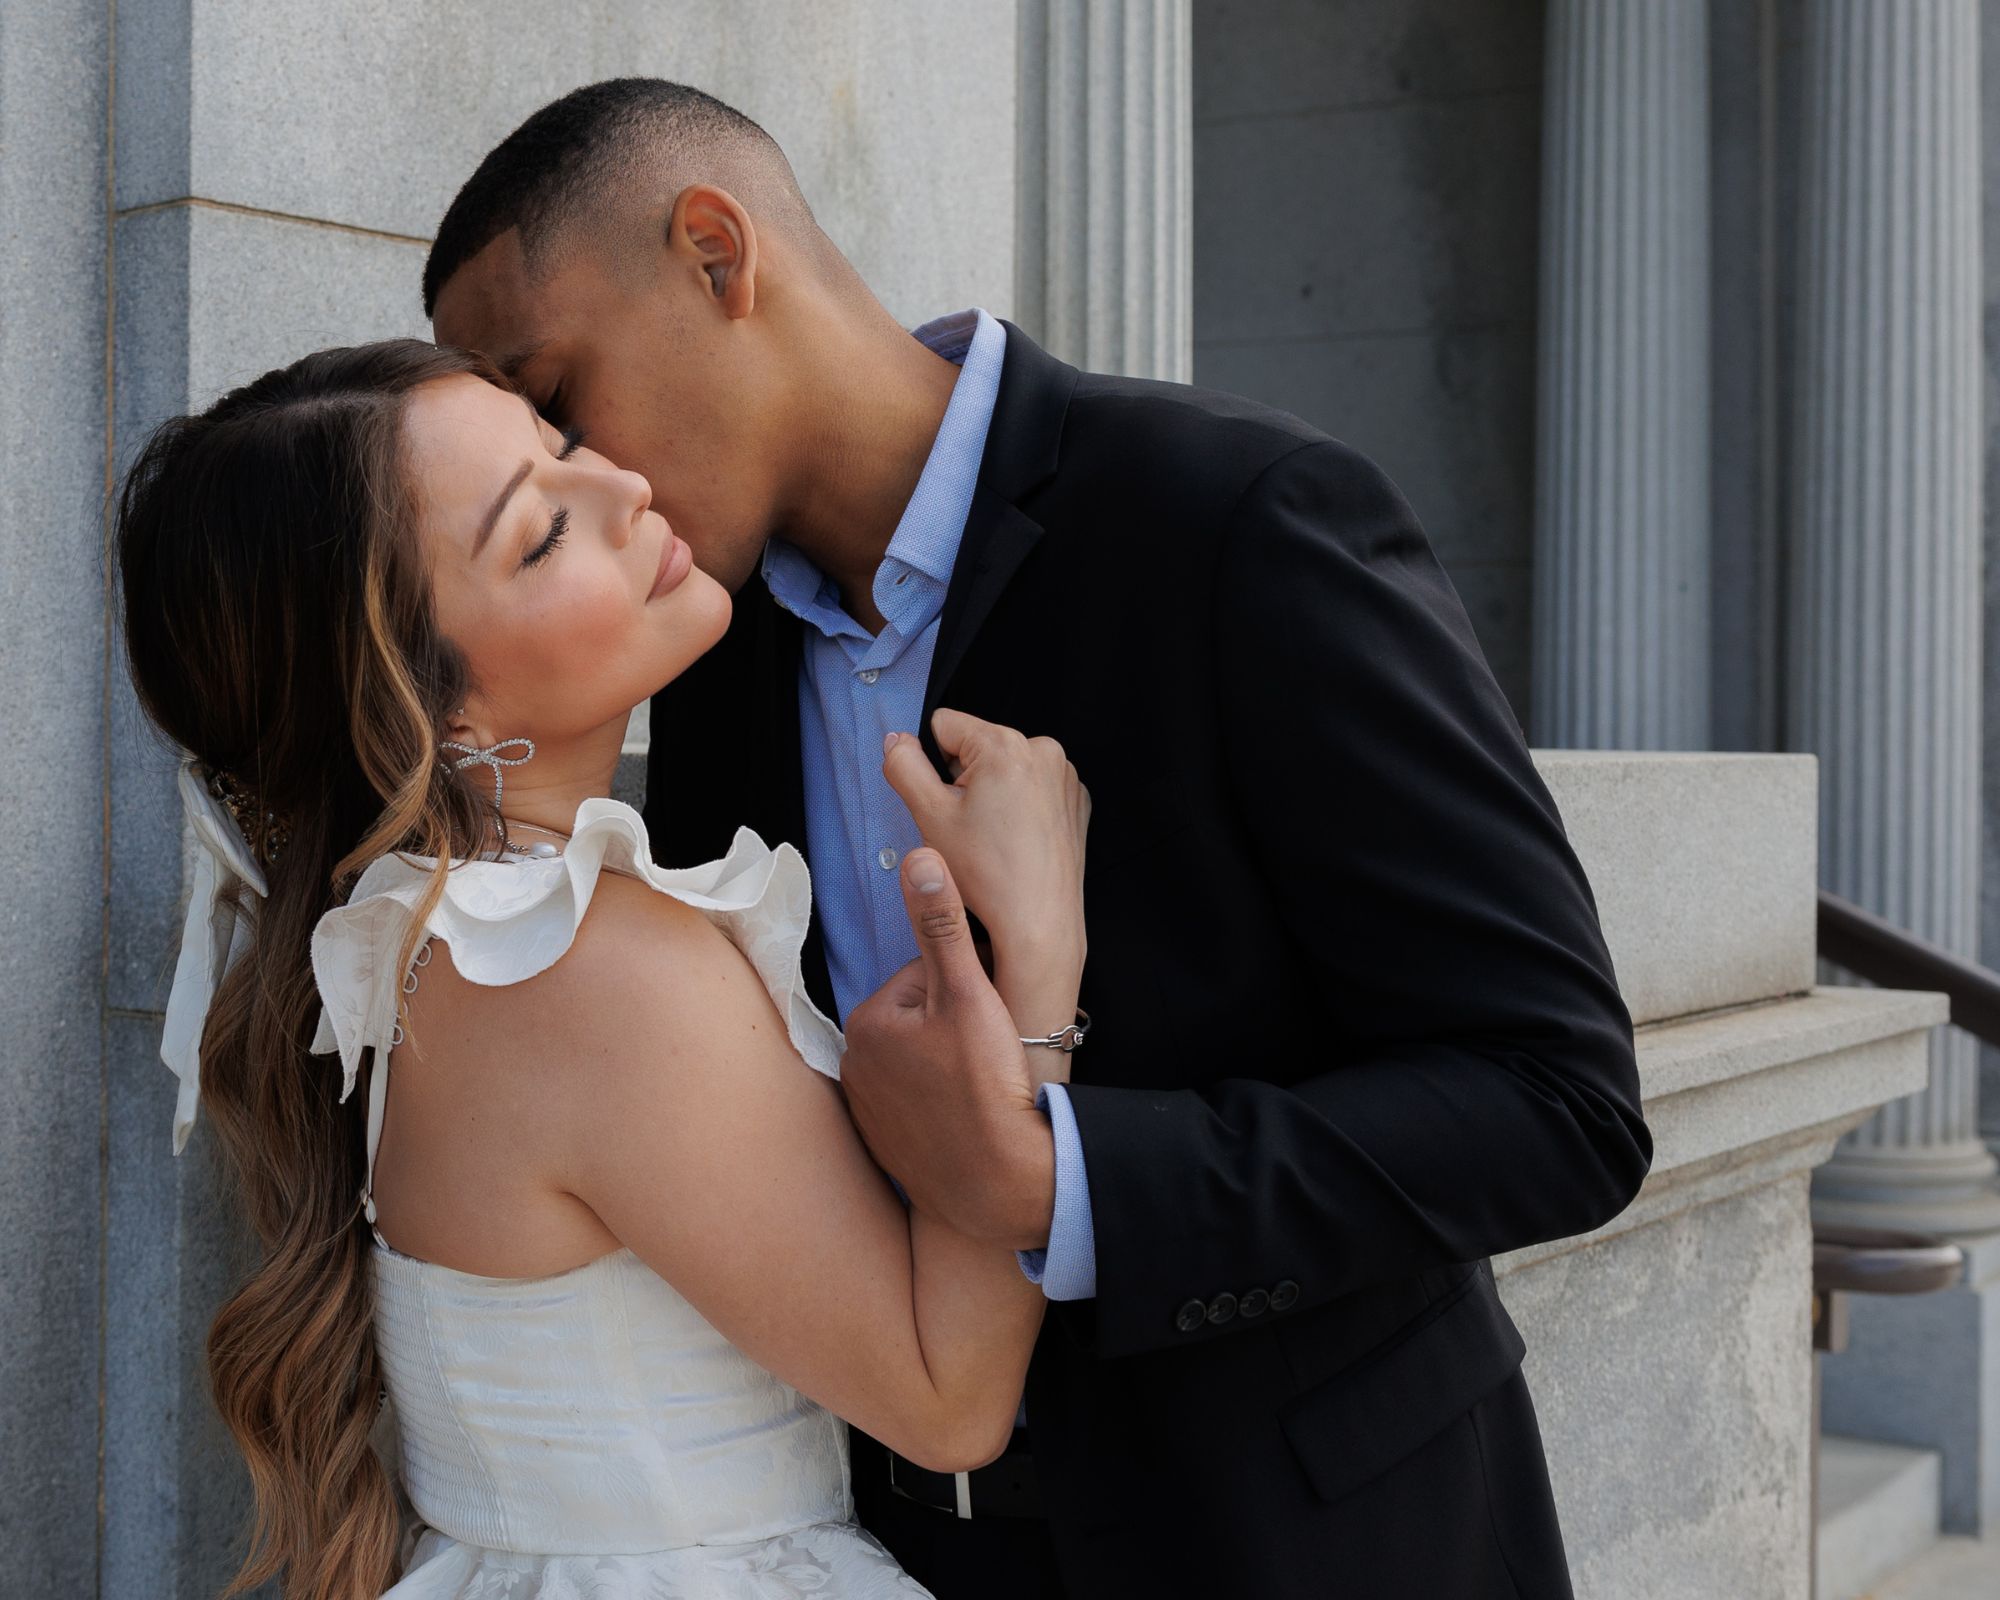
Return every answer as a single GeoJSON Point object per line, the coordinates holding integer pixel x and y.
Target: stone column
{"type": "Point", "coordinates": [1885, 639]}
{"type": "Point", "coordinates": [1106, 218]}
{"type": "Point", "coordinates": [1621, 622]}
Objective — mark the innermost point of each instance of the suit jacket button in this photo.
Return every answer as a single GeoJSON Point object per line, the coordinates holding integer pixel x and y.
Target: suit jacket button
{"type": "Point", "coordinates": [1190, 1316]}
{"type": "Point", "coordinates": [1284, 1295]}
{"type": "Point", "coordinates": [1222, 1308]}
{"type": "Point", "coordinates": [1254, 1304]}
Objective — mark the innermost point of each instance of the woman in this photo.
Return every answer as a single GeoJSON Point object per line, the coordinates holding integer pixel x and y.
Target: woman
{"type": "Point", "coordinates": [616, 1254]}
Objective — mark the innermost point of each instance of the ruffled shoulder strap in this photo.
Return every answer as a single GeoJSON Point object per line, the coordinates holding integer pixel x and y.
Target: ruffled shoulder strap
{"type": "Point", "coordinates": [508, 920]}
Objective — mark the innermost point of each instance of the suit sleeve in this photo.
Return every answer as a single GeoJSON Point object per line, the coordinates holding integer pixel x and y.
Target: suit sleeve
{"type": "Point", "coordinates": [1472, 1086]}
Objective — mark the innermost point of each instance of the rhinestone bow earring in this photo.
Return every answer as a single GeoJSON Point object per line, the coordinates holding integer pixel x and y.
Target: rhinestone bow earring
{"type": "Point", "coordinates": [489, 757]}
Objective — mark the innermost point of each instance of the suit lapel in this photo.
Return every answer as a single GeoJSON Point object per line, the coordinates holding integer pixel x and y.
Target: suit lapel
{"type": "Point", "coordinates": [1022, 446]}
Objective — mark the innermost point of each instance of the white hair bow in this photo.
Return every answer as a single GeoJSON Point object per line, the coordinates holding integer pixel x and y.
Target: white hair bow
{"type": "Point", "coordinates": [211, 939]}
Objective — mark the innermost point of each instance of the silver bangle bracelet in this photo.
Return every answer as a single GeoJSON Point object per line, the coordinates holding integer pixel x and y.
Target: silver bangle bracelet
{"type": "Point", "coordinates": [1065, 1039]}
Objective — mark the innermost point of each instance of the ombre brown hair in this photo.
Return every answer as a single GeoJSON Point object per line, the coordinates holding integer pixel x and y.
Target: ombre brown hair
{"type": "Point", "coordinates": [280, 630]}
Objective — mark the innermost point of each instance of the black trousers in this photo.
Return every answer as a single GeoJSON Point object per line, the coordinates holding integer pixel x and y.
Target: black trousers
{"type": "Point", "coordinates": [982, 1558]}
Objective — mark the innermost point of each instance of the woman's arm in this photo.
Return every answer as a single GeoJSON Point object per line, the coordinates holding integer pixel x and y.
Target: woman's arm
{"type": "Point", "coordinates": [693, 1131]}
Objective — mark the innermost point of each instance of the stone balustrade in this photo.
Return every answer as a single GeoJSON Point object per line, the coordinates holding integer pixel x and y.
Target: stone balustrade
{"type": "Point", "coordinates": [1669, 1351]}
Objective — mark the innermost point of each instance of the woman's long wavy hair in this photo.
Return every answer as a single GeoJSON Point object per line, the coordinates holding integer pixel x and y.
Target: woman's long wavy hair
{"type": "Point", "coordinates": [280, 629]}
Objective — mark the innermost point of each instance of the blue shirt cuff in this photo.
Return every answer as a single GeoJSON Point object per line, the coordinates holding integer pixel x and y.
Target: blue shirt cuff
{"type": "Point", "coordinates": [1067, 1269]}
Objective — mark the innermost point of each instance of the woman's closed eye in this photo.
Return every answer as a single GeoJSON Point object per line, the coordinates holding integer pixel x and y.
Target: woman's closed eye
{"type": "Point", "coordinates": [559, 523]}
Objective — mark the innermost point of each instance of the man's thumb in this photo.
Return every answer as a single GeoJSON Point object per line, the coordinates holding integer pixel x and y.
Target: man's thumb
{"type": "Point", "coordinates": [937, 917]}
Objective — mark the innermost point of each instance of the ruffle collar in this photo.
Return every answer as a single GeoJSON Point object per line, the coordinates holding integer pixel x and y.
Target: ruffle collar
{"type": "Point", "coordinates": [507, 920]}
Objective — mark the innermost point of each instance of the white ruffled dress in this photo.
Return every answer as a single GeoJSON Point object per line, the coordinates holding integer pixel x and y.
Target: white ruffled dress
{"type": "Point", "coordinates": [589, 1436]}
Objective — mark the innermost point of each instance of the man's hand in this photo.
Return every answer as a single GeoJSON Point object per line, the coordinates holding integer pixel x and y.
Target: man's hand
{"type": "Point", "coordinates": [938, 1082]}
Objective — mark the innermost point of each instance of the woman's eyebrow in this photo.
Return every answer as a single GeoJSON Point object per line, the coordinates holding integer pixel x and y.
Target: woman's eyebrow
{"type": "Point", "coordinates": [492, 518]}
{"type": "Point", "coordinates": [521, 472]}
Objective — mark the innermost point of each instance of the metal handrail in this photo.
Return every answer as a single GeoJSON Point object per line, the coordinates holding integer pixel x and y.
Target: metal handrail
{"type": "Point", "coordinates": [1873, 948]}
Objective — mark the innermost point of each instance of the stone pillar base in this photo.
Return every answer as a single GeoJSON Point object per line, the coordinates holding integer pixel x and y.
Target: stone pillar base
{"type": "Point", "coordinates": [1946, 1188]}
{"type": "Point", "coordinates": [1924, 1370]}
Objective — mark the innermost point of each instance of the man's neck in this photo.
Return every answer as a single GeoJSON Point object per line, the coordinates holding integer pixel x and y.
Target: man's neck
{"type": "Point", "coordinates": [870, 429]}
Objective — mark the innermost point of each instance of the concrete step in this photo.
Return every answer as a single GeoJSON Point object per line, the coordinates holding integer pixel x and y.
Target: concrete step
{"type": "Point", "coordinates": [1952, 1569]}
{"type": "Point", "coordinates": [1878, 1512]}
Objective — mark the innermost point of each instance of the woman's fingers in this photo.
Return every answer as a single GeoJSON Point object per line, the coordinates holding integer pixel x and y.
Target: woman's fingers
{"type": "Point", "coordinates": [910, 773]}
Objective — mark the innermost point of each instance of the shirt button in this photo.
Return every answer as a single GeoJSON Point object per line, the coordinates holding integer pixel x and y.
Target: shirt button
{"type": "Point", "coordinates": [869, 674]}
{"type": "Point", "coordinates": [887, 857]}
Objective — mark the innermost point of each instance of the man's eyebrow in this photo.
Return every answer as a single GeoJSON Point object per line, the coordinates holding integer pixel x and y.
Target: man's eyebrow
{"type": "Point", "coordinates": [492, 518]}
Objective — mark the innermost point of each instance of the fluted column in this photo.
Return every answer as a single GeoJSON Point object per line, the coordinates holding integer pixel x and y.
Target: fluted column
{"type": "Point", "coordinates": [1885, 540]}
{"type": "Point", "coordinates": [1107, 218]}
{"type": "Point", "coordinates": [1621, 655]}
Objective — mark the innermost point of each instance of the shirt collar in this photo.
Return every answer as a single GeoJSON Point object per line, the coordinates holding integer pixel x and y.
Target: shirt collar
{"type": "Point", "coordinates": [916, 569]}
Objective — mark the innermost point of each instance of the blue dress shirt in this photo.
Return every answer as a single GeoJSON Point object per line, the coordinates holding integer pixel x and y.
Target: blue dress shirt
{"type": "Point", "coordinates": [856, 688]}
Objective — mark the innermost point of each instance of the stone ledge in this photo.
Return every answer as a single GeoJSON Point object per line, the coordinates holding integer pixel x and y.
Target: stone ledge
{"type": "Point", "coordinates": [1693, 1052]}
{"type": "Point", "coordinates": [1741, 1098]}
{"type": "Point", "coordinates": [1703, 867]}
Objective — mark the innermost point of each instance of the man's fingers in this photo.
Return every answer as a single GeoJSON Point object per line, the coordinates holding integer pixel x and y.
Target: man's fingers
{"type": "Point", "coordinates": [905, 989]}
{"type": "Point", "coordinates": [937, 917]}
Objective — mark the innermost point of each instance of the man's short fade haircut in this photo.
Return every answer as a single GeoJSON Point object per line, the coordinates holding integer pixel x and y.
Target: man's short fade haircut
{"type": "Point", "coordinates": [570, 156]}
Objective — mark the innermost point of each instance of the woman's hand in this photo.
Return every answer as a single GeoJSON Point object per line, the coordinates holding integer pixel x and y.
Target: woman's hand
{"type": "Point", "coordinates": [1012, 825]}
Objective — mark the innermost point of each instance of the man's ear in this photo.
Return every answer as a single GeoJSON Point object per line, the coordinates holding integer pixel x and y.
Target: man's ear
{"type": "Point", "coordinates": [710, 227]}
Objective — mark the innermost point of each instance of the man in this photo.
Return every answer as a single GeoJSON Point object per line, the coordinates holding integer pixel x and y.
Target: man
{"type": "Point", "coordinates": [1353, 1026]}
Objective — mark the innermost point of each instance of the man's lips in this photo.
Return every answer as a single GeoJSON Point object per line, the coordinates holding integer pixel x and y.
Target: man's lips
{"type": "Point", "coordinates": [676, 561]}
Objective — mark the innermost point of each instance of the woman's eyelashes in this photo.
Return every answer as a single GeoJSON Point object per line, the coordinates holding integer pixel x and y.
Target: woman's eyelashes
{"type": "Point", "coordinates": [559, 523]}
{"type": "Point", "coordinates": [558, 527]}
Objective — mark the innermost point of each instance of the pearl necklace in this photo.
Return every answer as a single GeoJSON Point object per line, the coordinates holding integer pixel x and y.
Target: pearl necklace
{"type": "Point", "coordinates": [541, 849]}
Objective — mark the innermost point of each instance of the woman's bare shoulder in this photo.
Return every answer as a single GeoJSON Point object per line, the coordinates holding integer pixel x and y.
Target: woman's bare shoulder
{"type": "Point", "coordinates": [644, 973]}
{"type": "Point", "coordinates": [639, 956]}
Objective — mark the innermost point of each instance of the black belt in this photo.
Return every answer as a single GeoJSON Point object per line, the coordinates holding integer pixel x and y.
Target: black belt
{"type": "Point", "coordinates": [1004, 1488]}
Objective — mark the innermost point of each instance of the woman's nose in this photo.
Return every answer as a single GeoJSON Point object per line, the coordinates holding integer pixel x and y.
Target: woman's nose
{"type": "Point", "coordinates": [636, 496]}
{"type": "Point", "coordinates": [626, 497]}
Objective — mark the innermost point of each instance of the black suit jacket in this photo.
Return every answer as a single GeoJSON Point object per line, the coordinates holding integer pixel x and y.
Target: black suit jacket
{"type": "Point", "coordinates": [1355, 1030]}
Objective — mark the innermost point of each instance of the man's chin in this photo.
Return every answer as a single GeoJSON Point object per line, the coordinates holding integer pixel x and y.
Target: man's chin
{"type": "Point", "coordinates": [733, 570]}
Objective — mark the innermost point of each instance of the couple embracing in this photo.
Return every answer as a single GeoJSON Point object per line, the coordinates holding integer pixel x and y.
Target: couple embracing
{"type": "Point", "coordinates": [717, 1230]}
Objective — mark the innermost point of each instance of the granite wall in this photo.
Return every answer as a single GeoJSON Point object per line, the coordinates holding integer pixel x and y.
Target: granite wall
{"type": "Point", "coordinates": [54, 1032]}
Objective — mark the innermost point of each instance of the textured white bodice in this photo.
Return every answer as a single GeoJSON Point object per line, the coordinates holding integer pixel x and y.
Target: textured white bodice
{"type": "Point", "coordinates": [589, 1433]}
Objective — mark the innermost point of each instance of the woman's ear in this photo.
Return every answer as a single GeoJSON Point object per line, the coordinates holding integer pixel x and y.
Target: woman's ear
{"type": "Point", "coordinates": [460, 728]}
{"type": "Point", "coordinates": [709, 226]}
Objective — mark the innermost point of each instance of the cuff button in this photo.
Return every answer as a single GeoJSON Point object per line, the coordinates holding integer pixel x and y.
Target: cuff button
{"type": "Point", "coordinates": [1222, 1308]}
{"type": "Point", "coordinates": [1254, 1304]}
{"type": "Point", "coordinates": [1190, 1316]}
{"type": "Point", "coordinates": [1284, 1296]}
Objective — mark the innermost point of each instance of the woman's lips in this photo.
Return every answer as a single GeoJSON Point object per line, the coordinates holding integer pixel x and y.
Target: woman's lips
{"type": "Point", "coordinates": [676, 561]}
